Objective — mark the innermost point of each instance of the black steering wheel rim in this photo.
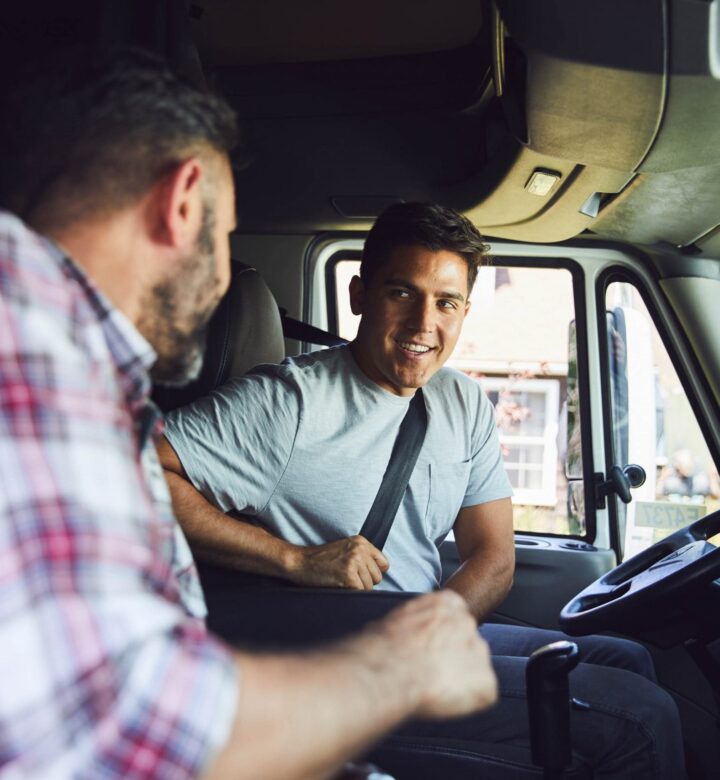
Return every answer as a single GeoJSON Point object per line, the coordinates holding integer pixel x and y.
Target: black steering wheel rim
{"type": "Point", "coordinates": [656, 593]}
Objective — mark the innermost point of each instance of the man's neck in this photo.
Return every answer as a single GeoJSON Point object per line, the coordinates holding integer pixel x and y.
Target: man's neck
{"type": "Point", "coordinates": [358, 354]}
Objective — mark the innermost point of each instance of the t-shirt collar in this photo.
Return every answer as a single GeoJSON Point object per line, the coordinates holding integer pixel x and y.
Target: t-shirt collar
{"type": "Point", "coordinates": [373, 387]}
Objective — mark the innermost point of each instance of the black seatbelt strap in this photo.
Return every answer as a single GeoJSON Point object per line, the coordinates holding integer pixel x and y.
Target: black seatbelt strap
{"type": "Point", "coordinates": [302, 331]}
{"type": "Point", "coordinates": [397, 474]}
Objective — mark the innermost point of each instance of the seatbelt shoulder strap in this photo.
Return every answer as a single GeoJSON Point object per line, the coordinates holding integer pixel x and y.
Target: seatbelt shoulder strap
{"type": "Point", "coordinates": [397, 474]}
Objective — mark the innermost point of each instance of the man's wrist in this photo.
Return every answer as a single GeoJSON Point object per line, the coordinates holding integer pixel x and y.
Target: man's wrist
{"type": "Point", "coordinates": [379, 658]}
{"type": "Point", "coordinates": [292, 559]}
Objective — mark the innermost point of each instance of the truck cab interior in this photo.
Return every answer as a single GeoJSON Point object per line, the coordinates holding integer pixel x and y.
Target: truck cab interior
{"type": "Point", "coordinates": [583, 140]}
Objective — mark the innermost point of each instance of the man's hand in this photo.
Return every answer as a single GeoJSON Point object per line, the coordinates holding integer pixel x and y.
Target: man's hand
{"type": "Point", "coordinates": [445, 663]}
{"type": "Point", "coordinates": [346, 563]}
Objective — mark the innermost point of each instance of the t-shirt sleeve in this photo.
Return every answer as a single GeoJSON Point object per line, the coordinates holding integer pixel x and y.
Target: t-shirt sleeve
{"type": "Point", "coordinates": [488, 480]}
{"type": "Point", "coordinates": [235, 443]}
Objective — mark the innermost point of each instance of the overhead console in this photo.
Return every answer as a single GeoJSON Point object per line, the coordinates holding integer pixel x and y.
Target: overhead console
{"type": "Point", "coordinates": [589, 81]}
{"type": "Point", "coordinates": [540, 119]}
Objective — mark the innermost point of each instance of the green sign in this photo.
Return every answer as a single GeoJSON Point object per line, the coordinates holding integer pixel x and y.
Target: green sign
{"type": "Point", "coordinates": [666, 515]}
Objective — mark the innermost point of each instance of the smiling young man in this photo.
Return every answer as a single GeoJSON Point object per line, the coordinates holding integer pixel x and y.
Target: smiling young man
{"type": "Point", "coordinates": [336, 413]}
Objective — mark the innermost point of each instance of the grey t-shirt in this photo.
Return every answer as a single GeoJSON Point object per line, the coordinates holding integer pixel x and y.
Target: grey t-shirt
{"type": "Point", "coordinates": [301, 448]}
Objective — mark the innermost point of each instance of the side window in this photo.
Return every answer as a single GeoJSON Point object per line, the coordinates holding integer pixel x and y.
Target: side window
{"type": "Point", "coordinates": [653, 426]}
{"type": "Point", "coordinates": [515, 343]}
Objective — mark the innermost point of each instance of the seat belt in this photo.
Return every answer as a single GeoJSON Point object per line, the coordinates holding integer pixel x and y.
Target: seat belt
{"type": "Point", "coordinates": [397, 474]}
{"type": "Point", "coordinates": [303, 331]}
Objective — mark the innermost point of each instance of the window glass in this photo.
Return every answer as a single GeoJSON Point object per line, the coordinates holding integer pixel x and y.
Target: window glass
{"type": "Point", "coordinates": [515, 343]}
{"type": "Point", "coordinates": [347, 322]}
{"type": "Point", "coordinates": [653, 426]}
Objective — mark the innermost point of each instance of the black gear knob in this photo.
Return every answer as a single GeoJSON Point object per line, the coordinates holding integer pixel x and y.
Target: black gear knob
{"type": "Point", "coordinates": [548, 698]}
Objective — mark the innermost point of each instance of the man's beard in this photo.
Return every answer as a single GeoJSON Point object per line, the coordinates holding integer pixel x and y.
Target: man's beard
{"type": "Point", "coordinates": [177, 311]}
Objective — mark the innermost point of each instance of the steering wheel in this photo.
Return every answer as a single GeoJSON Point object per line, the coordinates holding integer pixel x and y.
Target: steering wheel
{"type": "Point", "coordinates": [667, 593]}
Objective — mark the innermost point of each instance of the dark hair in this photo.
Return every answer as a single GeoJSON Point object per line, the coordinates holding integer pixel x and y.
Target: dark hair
{"type": "Point", "coordinates": [423, 224]}
{"type": "Point", "coordinates": [95, 134]}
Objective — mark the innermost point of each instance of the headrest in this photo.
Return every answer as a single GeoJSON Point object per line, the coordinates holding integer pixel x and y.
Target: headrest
{"type": "Point", "coordinates": [244, 331]}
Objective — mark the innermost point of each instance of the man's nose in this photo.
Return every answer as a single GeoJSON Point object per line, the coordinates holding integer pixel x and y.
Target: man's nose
{"type": "Point", "coordinates": [422, 316]}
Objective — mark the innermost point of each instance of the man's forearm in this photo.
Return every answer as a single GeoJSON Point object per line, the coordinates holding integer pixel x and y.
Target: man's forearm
{"type": "Point", "coordinates": [221, 539]}
{"type": "Point", "coordinates": [305, 717]}
{"type": "Point", "coordinates": [215, 537]}
{"type": "Point", "coordinates": [485, 543]}
{"type": "Point", "coordinates": [483, 581]}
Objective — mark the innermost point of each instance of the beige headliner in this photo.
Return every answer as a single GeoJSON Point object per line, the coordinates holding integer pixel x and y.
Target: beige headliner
{"type": "Point", "coordinates": [232, 32]}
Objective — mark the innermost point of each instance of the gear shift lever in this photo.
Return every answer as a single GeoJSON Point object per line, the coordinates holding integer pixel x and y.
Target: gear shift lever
{"type": "Point", "coordinates": [549, 705]}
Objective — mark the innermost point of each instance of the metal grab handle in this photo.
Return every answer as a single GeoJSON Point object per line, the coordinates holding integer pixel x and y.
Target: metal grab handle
{"type": "Point", "coordinates": [548, 696]}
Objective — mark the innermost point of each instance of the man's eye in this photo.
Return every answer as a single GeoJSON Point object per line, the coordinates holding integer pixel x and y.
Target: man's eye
{"type": "Point", "coordinates": [446, 304]}
{"type": "Point", "coordinates": [400, 293]}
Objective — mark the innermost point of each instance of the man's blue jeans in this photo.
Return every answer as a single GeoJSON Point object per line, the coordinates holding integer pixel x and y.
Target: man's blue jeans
{"type": "Point", "coordinates": [626, 727]}
{"type": "Point", "coordinates": [599, 650]}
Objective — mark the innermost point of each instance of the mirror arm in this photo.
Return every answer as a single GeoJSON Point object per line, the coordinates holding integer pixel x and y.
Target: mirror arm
{"type": "Point", "coordinates": [619, 482]}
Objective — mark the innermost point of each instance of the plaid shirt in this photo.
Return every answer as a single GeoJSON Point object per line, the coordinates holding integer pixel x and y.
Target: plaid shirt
{"type": "Point", "coordinates": [107, 668]}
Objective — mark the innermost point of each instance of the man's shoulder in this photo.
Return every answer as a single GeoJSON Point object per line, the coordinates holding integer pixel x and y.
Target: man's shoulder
{"type": "Point", "coordinates": [31, 267]}
{"type": "Point", "coordinates": [53, 334]}
{"type": "Point", "coordinates": [450, 379]}
{"type": "Point", "coordinates": [299, 376]}
{"type": "Point", "coordinates": [309, 368]}
{"type": "Point", "coordinates": [456, 395]}
{"type": "Point", "coordinates": [318, 362]}
{"type": "Point", "coordinates": [9, 223]}
{"type": "Point", "coordinates": [52, 313]}
{"type": "Point", "coordinates": [22, 251]}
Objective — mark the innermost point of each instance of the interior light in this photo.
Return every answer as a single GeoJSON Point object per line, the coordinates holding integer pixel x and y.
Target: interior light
{"type": "Point", "coordinates": [541, 182]}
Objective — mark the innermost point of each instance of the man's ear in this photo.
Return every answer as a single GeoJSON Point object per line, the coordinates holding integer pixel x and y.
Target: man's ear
{"type": "Point", "coordinates": [357, 295]}
{"type": "Point", "coordinates": [177, 204]}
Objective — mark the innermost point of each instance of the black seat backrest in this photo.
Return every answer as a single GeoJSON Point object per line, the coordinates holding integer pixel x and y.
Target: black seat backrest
{"type": "Point", "coordinates": [244, 331]}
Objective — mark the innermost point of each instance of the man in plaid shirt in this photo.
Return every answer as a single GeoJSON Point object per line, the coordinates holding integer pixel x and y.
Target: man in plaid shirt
{"type": "Point", "coordinates": [120, 173]}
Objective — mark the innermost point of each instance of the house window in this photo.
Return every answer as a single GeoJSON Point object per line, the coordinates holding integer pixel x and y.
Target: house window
{"type": "Point", "coordinates": [527, 419]}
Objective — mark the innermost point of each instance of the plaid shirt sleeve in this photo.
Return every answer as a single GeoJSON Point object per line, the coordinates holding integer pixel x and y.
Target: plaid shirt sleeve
{"type": "Point", "coordinates": [105, 674]}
